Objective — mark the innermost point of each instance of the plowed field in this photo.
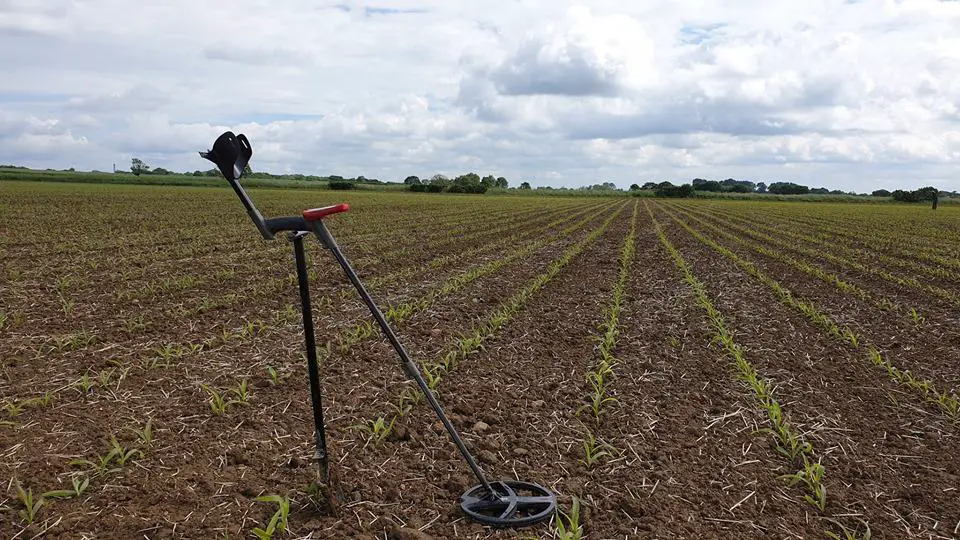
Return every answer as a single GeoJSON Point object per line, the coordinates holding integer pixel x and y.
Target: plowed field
{"type": "Point", "coordinates": [672, 369]}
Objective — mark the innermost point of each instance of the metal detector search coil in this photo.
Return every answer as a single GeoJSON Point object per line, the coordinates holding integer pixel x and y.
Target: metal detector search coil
{"type": "Point", "coordinates": [501, 503]}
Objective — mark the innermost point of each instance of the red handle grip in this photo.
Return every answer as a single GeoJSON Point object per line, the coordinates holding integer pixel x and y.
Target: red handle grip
{"type": "Point", "coordinates": [319, 213]}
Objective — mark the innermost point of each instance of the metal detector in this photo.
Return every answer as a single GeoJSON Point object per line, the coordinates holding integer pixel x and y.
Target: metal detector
{"type": "Point", "coordinates": [503, 503]}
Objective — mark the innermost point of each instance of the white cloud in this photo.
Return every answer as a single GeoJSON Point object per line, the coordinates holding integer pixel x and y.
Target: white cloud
{"type": "Point", "coordinates": [847, 95]}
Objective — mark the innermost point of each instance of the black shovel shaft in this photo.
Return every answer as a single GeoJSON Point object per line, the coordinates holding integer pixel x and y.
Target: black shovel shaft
{"type": "Point", "coordinates": [412, 370]}
{"type": "Point", "coordinates": [311, 346]}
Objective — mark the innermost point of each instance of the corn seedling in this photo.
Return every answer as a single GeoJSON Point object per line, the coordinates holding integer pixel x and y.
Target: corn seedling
{"type": "Point", "coordinates": [275, 378]}
{"type": "Point", "coordinates": [145, 435]}
{"type": "Point", "coordinates": [241, 391]}
{"type": "Point", "coordinates": [30, 504]}
{"type": "Point", "coordinates": [218, 404]}
{"type": "Point", "coordinates": [850, 534]}
{"type": "Point", "coordinates": [13, 408]}
{"type": "Point", "coordinates": [851, 337]}
{"type": "Point", "coordinates": [375, 430]}
{"type": "Point", "coordinates": [135, 324]}
{"type": "Point", "coordinates": [568, 526]}
{"type": "Point", "coordinates": [79, 486]}
{"type": "Point", "coordinates": [593, 450]}
{"type": "Point", "coordinates": [104, 377]}
{"type": "Point", "coordinates": [812, 476]}
{"type": "Point", "coordinates": [85, 383]}
{"type": "Point", "coordinates": [432, 376]}
{"type": "Point", "coordinates": [278, 522]}
{"type": "Point", "coordinates": [918, 319]}
{"type": "Point", "coordinates": [120, 454]}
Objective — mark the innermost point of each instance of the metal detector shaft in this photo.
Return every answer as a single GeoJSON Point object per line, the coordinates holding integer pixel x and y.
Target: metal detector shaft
{"type": "Point", "coordinates": [311, 345]}
{"type": "Point", "coordinates": [412, 370]}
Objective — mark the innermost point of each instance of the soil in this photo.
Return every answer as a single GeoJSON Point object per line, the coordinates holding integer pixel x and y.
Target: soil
{"type": "Point", "coordinates": [687, 454]}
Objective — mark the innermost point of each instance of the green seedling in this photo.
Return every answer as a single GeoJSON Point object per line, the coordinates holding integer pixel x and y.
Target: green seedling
{"type": "Point", "coordinates": [79, 486]}
{"type": "Point", "coordinates": [568, 526]}
{"type": "Point", "coordinates": [30, 505]}
{"type": "Point", "coordinates": [277, 523]}
{"type": "Point", "coordinates": [120, 454]}
{"type": "Point", "coordinates": [812, 476]}
{"type": "Point", "coordinates": [850, 534]}
{"type": "Point", "coordinates": [593, 451]}
{"type": "Point", "coordinates": [13, 408]}
{"type": "Point", "coordinates": [218, 404]}
{"type": "Point", "coordinates": [241, 391]}
{"type": "Point", "coordinates": [432, 376]}
{"type": "Point", "coordinates": [275, 378]}
{"type": "Point", "coordinates": [145, 435]}
{"type": "Point", "coordinates": [375, 430]}
{"type": "Point", "coordinates": [85, 383]}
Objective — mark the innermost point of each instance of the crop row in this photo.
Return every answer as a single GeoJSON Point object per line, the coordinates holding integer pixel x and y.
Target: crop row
{"type": "Point", "coordinates": [883, 303]}
{"type": "Point", "coordinates": [947, 402]}
{"type": "Point", "coordinates": [871, 269]}
{"type": "Point", "coordinates": [870, 255]}
{"type": "Point", "coordinates": [433, 372]}
{"type": "Point", "coordinates": [169, 354]}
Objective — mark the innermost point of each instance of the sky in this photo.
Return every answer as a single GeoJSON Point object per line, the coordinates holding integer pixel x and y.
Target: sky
{"type": "Point", "coordinates": [850, 95]}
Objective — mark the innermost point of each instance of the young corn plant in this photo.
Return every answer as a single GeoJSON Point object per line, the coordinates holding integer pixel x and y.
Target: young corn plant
{"type": "Point", "coordinates": [31, 505]}
{"type": "Point", "coordinates": [375, 431]}
{"type": "Point", "coordinates": [218, 403]}
{"type": "Point", "coordinates": [847, 533]}
{"type": "Point", "coordinates": [593, 451]}
{"type": "Point", "coordinates": [79, 485]}
{"type": "Point", "coordinates": [812, 477]}
{"type": "Point", "coordinates": [145, 434]}
{"type": "Point", "coordinates": [278, 522]}
{"type": "Point", "coordinates": [567, 526]}
{"type": "Point", "coordinates": [275, 378]}
{"type": "Point", "coordinates": [242, 392]}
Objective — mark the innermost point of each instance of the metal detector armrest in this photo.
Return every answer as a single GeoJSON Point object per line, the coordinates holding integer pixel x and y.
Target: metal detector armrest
{"type": "Point", "coordinates": [292, 224]}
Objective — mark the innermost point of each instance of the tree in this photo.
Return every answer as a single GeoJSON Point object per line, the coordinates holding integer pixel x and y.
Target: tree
{"type": "Point", "coordinates": [412, 180]}
{"type": "Point", "coordinates": [881, 193]}
{"type": "Point", "coordinates": [788, 188]}
{"type": "Point", "coordinates": [761, 187]}
{"type": "Point", "coordinates": [524, 185]}
{"type": "Point", "coordinates": [468, 183]}
{"type": "Point", "coordinates": [649, 185]}
{"type": "Point", "coordinates": [502, 183]}
{"type": "Point", "coordinates": [666, 189]}
{"type": "Point", "coordinates": [138, 167]}
{"type": "Point", "coordinates": [708, 185]}
{"type": "Point", "coordinates": [634, 187]}
{"type": "Point", "coordinates": [488, 181]}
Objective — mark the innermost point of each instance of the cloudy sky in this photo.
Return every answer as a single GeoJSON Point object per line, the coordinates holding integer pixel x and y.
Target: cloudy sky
{"type": "Point", "coordinates": [852, 95]}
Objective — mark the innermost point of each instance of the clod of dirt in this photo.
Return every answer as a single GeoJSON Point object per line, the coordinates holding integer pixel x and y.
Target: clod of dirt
{"type": "Point", "coordinates": [456, 484]}
{"type": "Point", "coordinates": [631, 507]}
{"type": "Point", "coordinates": [481, 426]}
{"type": "Point", "coordinates": [236, 458]}
{"type": "Point", "coordinates": [294, 462]}
{"type": "Point", "coordinates": [405, 533]}
{"type": "Point", "coordinates": [520, 451]}
{"type": "Point", "coordinates": [488, 456]}
{"type": "Point", "coordinates": [399, 434]}
{"type": "Point", "coordinates": [538, 404]}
